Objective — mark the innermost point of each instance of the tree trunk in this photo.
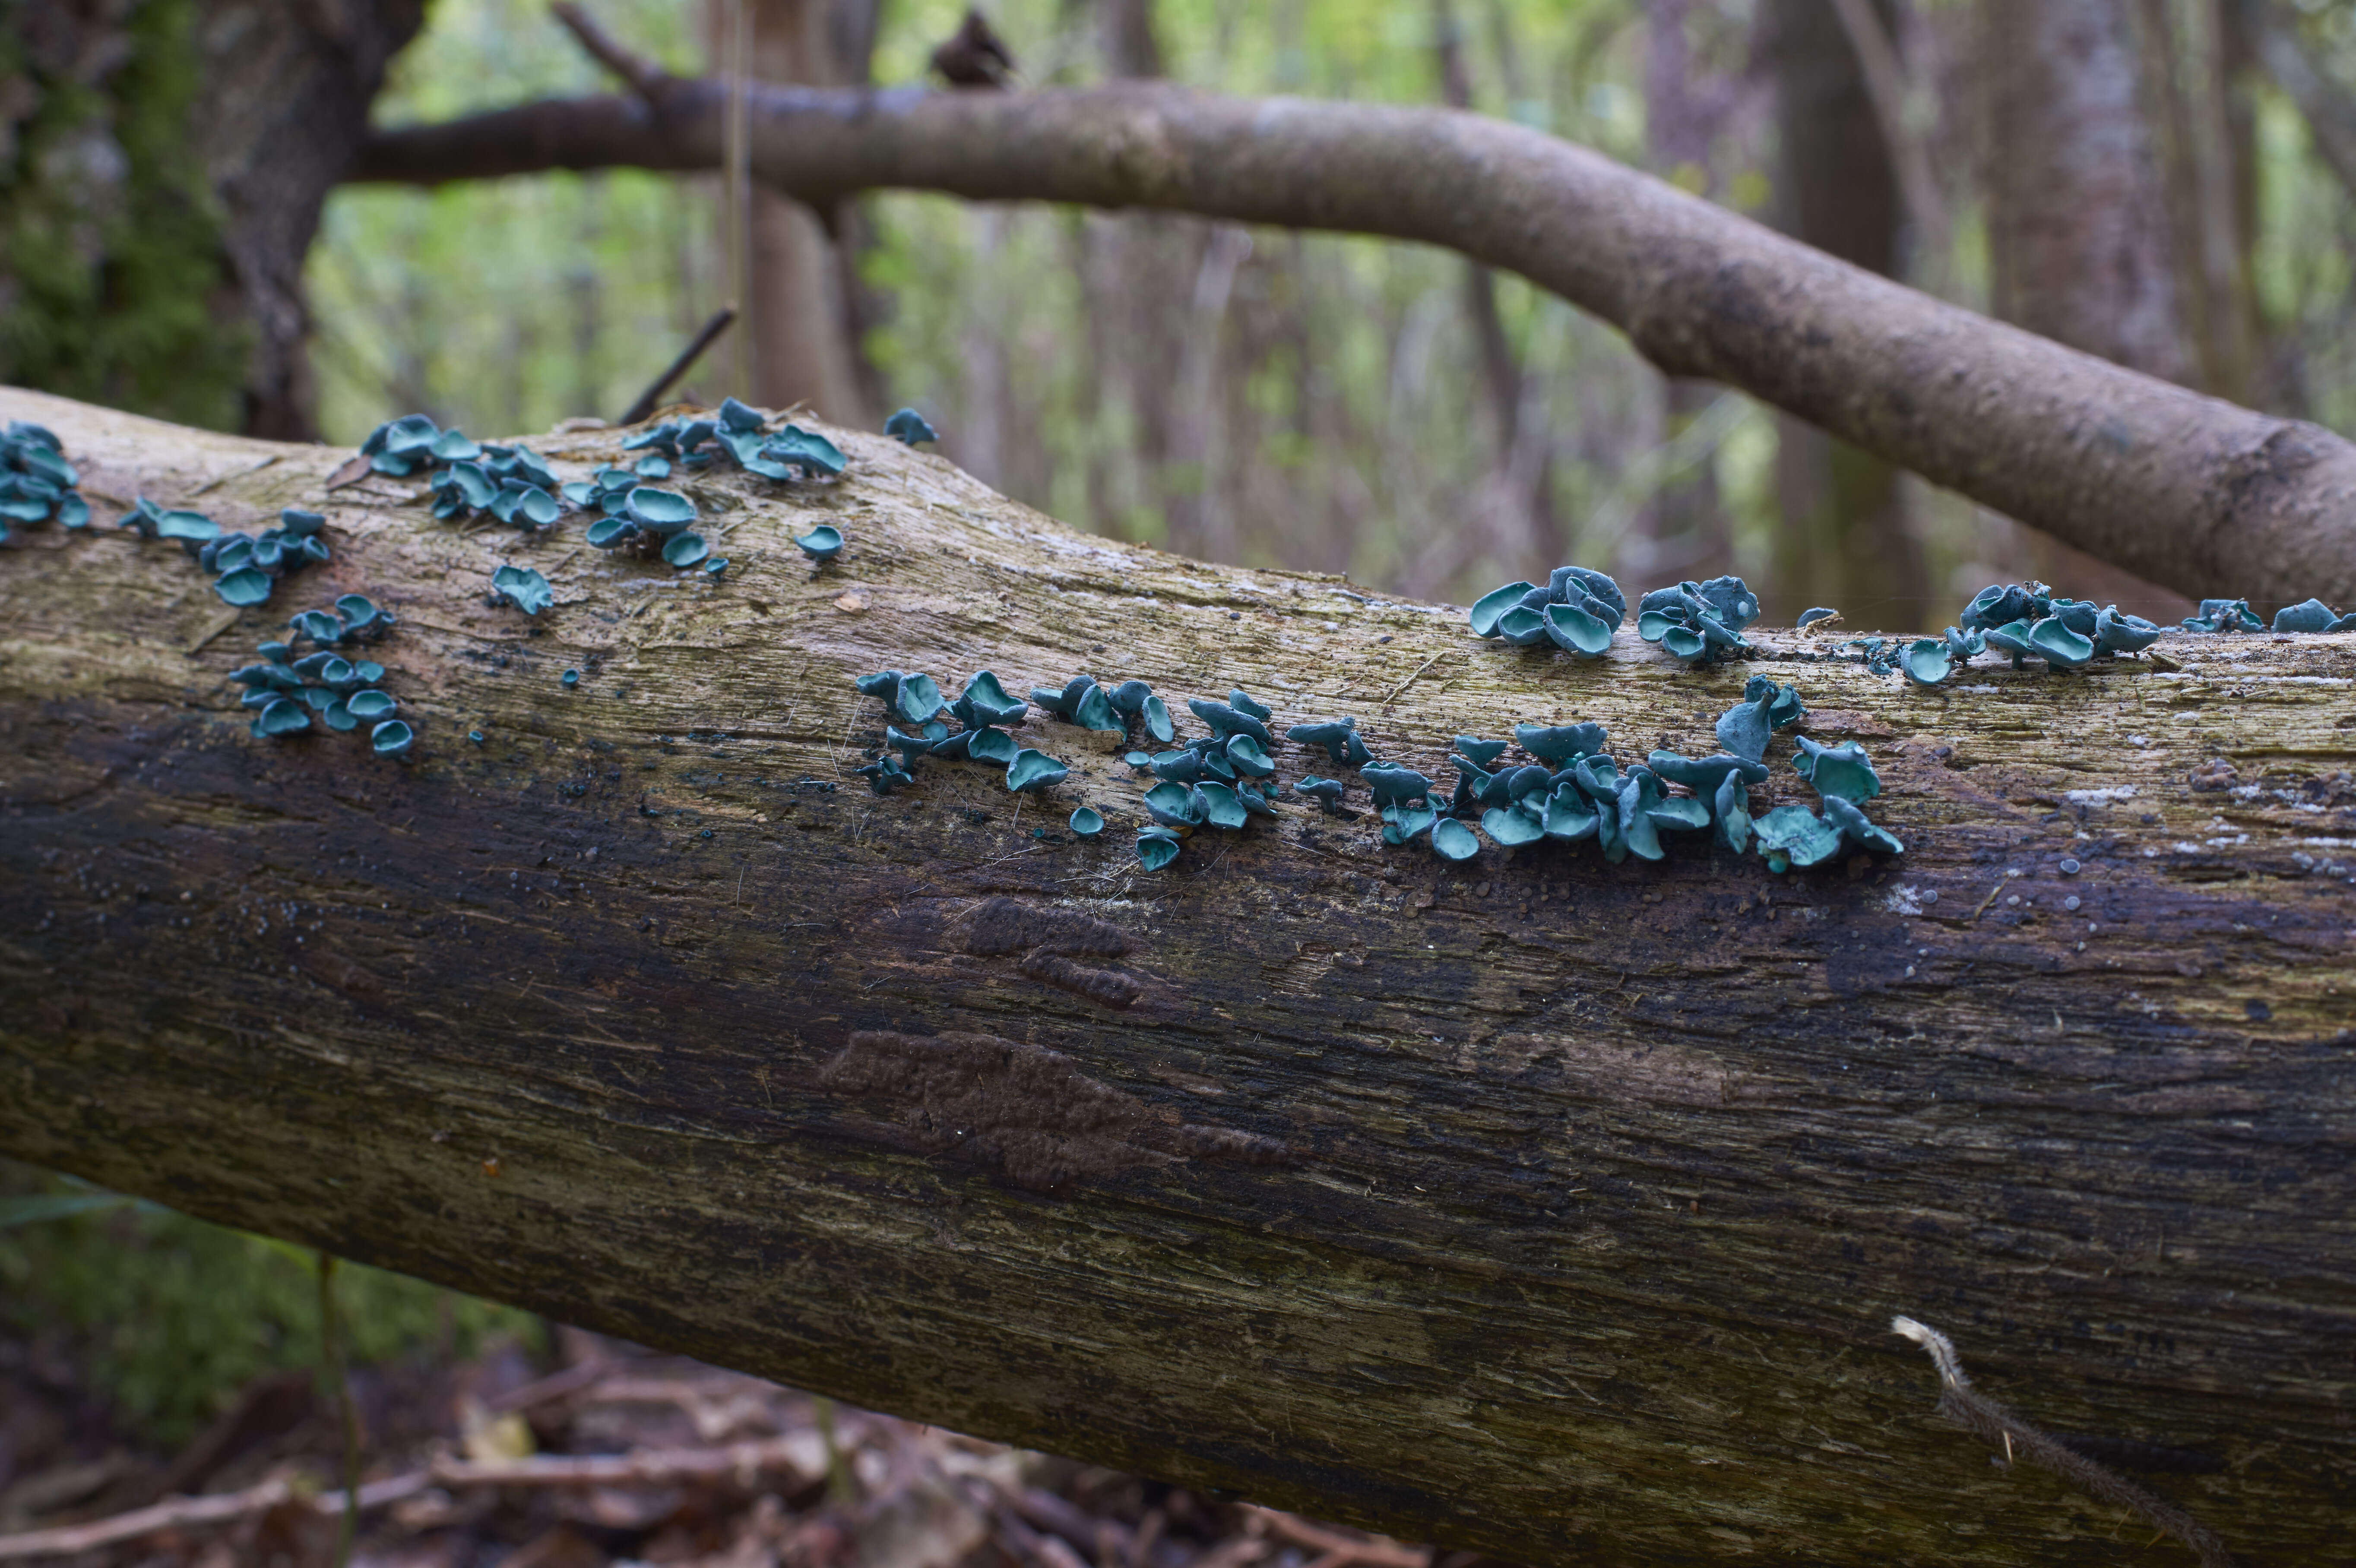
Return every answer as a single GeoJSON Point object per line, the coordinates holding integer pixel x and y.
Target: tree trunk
{"type": "Point", "coordinates": [2080, 240]}
{"type": "Point", "coordinates": [800, 296]}
{"type": "Point", "coordinates": [162, 167]}
{"type": "Point", "coordinates": [1845, 540]}
{"type": "Point", "coordinates": [1533, 1204]}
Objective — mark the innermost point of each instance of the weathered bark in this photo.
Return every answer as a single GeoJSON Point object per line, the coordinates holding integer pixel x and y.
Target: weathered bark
{"type": "Point", "coordinates": [2186, 490]}
{"type": "Point", "coordinates": [162, 167]}
{"type": "Point", "coordinates": [1534, 1204]}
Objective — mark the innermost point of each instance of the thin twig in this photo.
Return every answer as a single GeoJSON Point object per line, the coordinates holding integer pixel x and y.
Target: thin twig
{"type": "Point", "coordinates": [642, 1467]}
{"type": "Point", "coordinates": [1993, 1423]}
{"type": "Point", "coordinates": [687, 356]}
{"type": "Point", "coordinates": [1410, 680]}
{"type": "Point", "coordinates": [331, 1354]}
{"type": "Point", "coordinates": [645, 77]}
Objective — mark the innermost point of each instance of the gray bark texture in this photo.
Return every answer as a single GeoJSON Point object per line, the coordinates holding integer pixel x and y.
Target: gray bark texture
{"type": "Point", "coordinates": [2189, 491]}
{"type": "Point", "coordinates": [1535, 1204]}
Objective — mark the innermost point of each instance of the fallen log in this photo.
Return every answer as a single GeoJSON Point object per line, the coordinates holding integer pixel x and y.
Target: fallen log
{"type": "Point", "coordinates": [1535, 1204]}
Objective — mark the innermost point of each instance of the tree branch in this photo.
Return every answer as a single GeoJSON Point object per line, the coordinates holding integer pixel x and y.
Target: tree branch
{"type": "Point", "coordinates": [643, 75]}
{"type": "Point", "coordinates": [2186, 490]}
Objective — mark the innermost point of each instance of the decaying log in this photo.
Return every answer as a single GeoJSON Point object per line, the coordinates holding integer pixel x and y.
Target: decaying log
{"type": "Point", "coordinates": [1535, 1204]}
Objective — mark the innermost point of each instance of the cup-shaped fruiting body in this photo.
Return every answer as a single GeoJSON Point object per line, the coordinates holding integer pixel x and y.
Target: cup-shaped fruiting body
{"type": "Point", "coordinates": [1844, 770]}
{"type": "Point", "coordinates": [1034, 771]}
{"type": "Point", "coordinates": [1559, 744]}
{"type": "Point", "coordinates": [1174, 805]}
{"type": "Point", "coordinates": [1087, 821]}
{"type": "Point", "coordinates": [822, 543]}
{"type": "Point", "coordinates": [685, 549]}
{"type": "Point", "coordinates": [1452, 840]}
{"type": "Point", "coordinates": [391, 738]}
{"type": "Point", "coordinates": [908, 426]}
{"type": "Point", "coordinates": [1927, 661]}
{"type": "Point", "coordinates": [1156, 850]}
{"type": "Point", "coordinates": [524, 588]}
{"type": "Point", "coordinates": [1343, 745]}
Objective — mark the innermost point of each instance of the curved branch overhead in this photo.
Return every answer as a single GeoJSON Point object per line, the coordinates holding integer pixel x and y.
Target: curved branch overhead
{"type": "Point", "coordinates": [1534, 1203]}
{"type": "Point", "coordinates": [2190, 491]}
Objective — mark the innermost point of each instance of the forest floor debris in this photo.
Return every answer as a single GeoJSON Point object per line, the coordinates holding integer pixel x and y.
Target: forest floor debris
{"type": "Point", "coordinates": [616, 1455]}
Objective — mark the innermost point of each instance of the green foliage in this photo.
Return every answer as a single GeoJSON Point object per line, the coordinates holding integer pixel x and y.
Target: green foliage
{"type": "Point", "coordinates": [110, 261]}
{"type": "Point", "coordinates": [169, 1317]}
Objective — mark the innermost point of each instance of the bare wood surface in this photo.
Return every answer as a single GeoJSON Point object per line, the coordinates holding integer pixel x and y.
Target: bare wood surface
{"type": "Point", "coordinates": [1535, 1204]}
{"type": "Point", "coordinates": [2185, 490]}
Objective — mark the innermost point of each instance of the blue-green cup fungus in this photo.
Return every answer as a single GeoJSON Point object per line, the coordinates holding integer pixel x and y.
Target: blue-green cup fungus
{"type": "Point", "coordinates": [570, 678]}
{"type": "Point", "coordinates": [390, 737]}
{"type": "Point", "coordinates": [1222, 807]}
{"type": "Point", "coordinates": [1405, 820]}
{"type": "Point", "coordinates": [1326, 793]}
{"type": "Point", "coordinates": [685, 549]}
{"type": "Point", "coordinates": [1844, 770]}
{"type": "Point", "coordinates": [1559, 745]}
{"type": "Point", "coordinates": [1491, 607]}
{"type": "Point", "coordinates": [659, 512]}
{"type": "Point", "coordinates": [1575, 631]}
{"type": "Point", "coordinates": [1855, 829]}
{"type": "Point", "coordinates": [2012, 637]}
{"type": "Point", "coordinates": [2119, 633]}
{"type": "Point", "coordinates": [244, 588]}
{"type": "Point", "coordinates": [806, 450]}
{"type": "Point", "coordinates": [1343, 745]}
{"type": "Point", "coordinates": [2313, 615]}
{"type": "Point", "coordinates": [1570, 814]}
{"type": "Point", "coordinates": [985, 701]}
{"type": "Point", "coordinates": [1821, 612]}
{"type": "Point", "coordinates": [822, 543]}
{"type": "Point", "coordinates": [1226, 719]}
{"type": "Point", "coordinates": [1156, 850]}
{"type": "Point", "coordinates": [1481, 753]}
{"type": "Point", "coordinates": [908, 427]}
{"type": "Point", "coordinates": [1698, 621]}
{"type": "Point", "coordinates": [1927, 661]}
{"type": "Point", "coordinates": [2052, 640]}
{"type": "Point", "coordinates": [2225, 615]}
{"type": "Point", "coordinates": [1087, 821]}
{"type": "Point", "coordinates": [1247, 757]}
{"type": "Point", "coordinates": [1704, 774]}
{"type": "Point", "coordinates": [884, 776]}
{"type": "Point", "coordinates": [282, 716]}
{"type": "Point", "coordinates": [1730, 807]}
{"type": "Point", "coordinates": [37, 481]}
{"type": "Point", "coordinates": [1452, 840]}
{"type": "Point", "coordinates": [1394, 784]}
{"type": "Point", "coordinates": [1793, 835]}
{"type": "Point", "coordinates": [1034, 771]}
{"type": "Point", "coordinates": [1174, 805]}
{"type": "Point", "coordinates": [609, 532]}
{"type": "Point", "coordinates": [1510, 826]}
{"type": "Point", "coordinates": [523, 587]}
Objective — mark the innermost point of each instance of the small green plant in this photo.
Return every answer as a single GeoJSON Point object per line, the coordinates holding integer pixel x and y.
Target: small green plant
{"type": "Point", "coordinates": [170, 1317]}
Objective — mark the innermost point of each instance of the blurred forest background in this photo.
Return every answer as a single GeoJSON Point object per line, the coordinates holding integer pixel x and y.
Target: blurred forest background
{"type": "Point", "coordinates": [2132, 176]}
